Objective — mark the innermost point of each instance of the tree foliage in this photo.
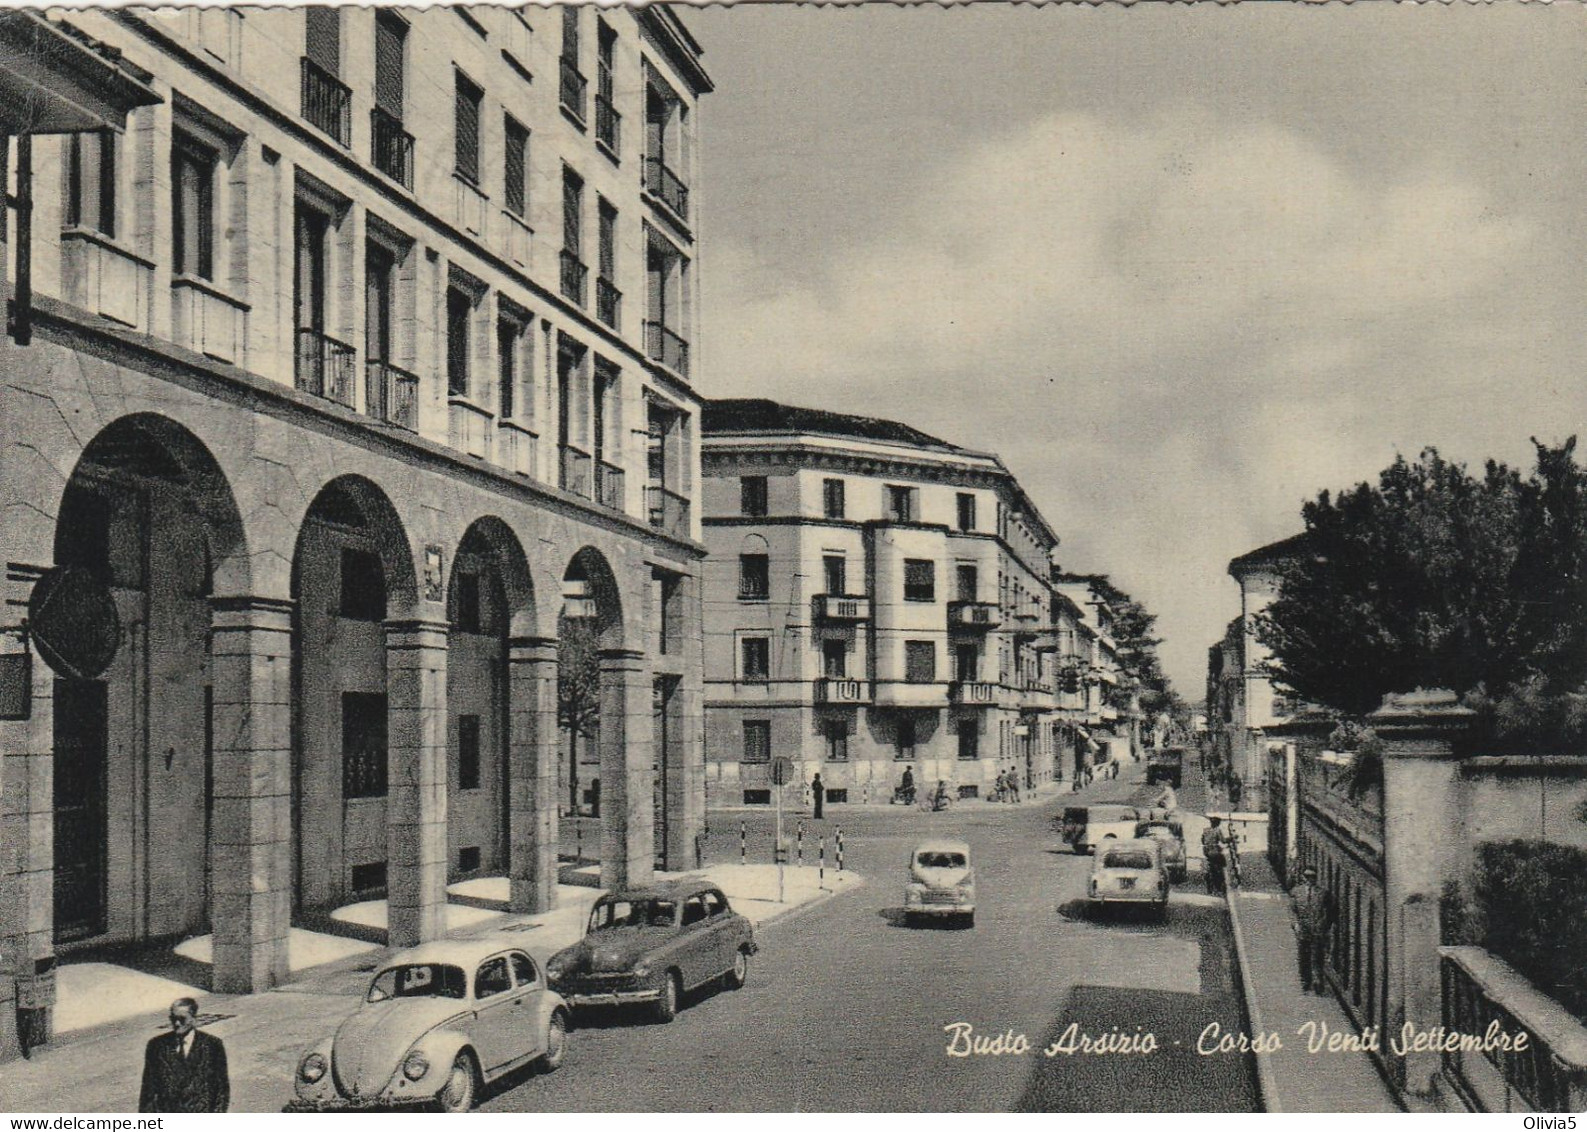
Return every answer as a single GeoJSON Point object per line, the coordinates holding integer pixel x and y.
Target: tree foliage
{"type": "Point", "coordinates": [1435, 578]}
{"type": "Point", "coordinates": [579, 677]}
{"type": "Point", "coordinates": [1137, 653]}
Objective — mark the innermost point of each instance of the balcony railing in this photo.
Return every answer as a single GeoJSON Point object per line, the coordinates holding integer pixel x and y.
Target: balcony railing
{"type": "Point", "coordinates": [665, 184]}
{"type": "Point", "coordinates": [841, 690]}
{"type": "Point", "coordinates": [574, 472]}
{"type": "Point", "coordinates": [391, 394]}
{"type": "Point", "coordinates": [574, 86]}
{"type": "Point", "coordinates": [1481, 991]}
{"type": "Point", "coordinates": [972, 692]}
{"type": "Point", "coordinates": [669, 511]}
{"type": "Point", "coordinates": [666, 346]}
{"type": "Point", "coordinates": [973, 615]}
{"type": "Point", "coordinates": [391, 147]}
{"type": "Point", "coordinates": [468, 427]}
{"type": "Point", "coordinates": [516, 447]}
{"type": "Point", "coordinates": [608, 302]}
{"type": "Point", "coordinates": [325, 367]}
{"type": "Point", "coordinates": [208, 321]}
{"type": "Point", "coordinates": [327, 102]}
{"type": "Point", "coordinates": [575, 277]}
{"type": "Point", "coordinates": [839, 607]}
{"type": "Point", "coordinates": [106, 279]}
{"type": "Point", "coordinates": [609, 485]}
{"type": "Point", "coordinates": [608, 123]}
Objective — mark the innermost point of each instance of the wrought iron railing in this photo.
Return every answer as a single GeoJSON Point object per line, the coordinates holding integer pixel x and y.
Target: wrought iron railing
{"type": "Point", "coordinates": [608, 302]}
{"type": "Point", "coordinates": [391, 147]}
{"type": "Point", "coordinates": [574, 471]}
{"type": "Point", "coordinates": [669, 511]}
{"type": "Point", "coordinates": [391, 394]}
{"type": "Point", "coordinates": [574, 87]}
{"type": "Point", "coordinates": [667, 346]}
{"type": "Point", "coordinates": [667, 185]}
{"type": "Point", "coordinates": [575, 277]}
{"type": "Point", "coordinates": [325, 367]}
{"type": "Point", "coordinates": [609, 485]}
{"type": "Point", "coordinates": [327, 102]}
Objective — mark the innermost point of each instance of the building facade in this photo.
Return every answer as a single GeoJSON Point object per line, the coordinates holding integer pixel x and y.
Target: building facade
{"type": "Point", "coordinates": [356, 367]}
{"type": "Point", "coordinates": [875, 599]}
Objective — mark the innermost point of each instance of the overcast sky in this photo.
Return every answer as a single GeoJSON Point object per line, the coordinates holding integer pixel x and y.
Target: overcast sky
{"type": "Point", "coordinates": [1182, 267]}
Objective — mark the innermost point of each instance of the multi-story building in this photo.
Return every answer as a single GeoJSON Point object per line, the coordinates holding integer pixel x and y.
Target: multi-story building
{"type": "Point", "coordinates": [875, 598]}
{"type": "Point", "coordinates": [347, 367]}
{"type": "Point", "coordinates": [1113, 729]}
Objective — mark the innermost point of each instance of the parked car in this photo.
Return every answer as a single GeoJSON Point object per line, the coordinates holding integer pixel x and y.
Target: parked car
{"type": "Point", "coordinates": [1130, 872]}
{"type": "Point", "coordinates": [438, 1022]}
{"type": "Point", "coordinates": [1172, 836]}
{"type": "Point", "coordinates": [1165, 764]}
{"type": "Point", "coordinates": [652, 945]}
{"type": "Point", "coordinates": [941, 882]}
{"type": "Point", "coordinates": [1084, 827]}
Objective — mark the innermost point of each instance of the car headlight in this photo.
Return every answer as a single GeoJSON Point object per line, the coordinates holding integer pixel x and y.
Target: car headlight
{"type": "Point", "coordinates": [642, 970]}
{"type": "Point", "coordinates": [312, 1067]}
{"type": "Point", "coordinates": [415, 1065]}
{"type": "Point", "coordinates": [555, 971]}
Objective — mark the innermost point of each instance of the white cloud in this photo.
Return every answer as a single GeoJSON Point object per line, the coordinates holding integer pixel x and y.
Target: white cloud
{"type": "Point", "coordinates": [1173, 333]}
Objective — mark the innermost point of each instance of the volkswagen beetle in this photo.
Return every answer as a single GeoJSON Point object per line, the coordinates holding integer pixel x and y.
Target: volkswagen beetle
{"type": "Point", "coordinates": [651, 945]}
{"type": "Point", "coordinates": [438, 1022]}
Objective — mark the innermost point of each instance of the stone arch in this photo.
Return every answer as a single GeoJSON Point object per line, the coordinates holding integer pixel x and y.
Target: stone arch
{"type": "Point", "coordinates": [589, 578]}
{"type": "Point", "coordinates": [354, 501]}
{"type": "Point", "coordinates": [489, 536]}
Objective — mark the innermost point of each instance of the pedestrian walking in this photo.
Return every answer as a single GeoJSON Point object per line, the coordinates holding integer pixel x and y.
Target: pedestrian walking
{"type": "Point", "coordinates": [818, 793]}
{"type": "Point", "coordinates": [1312, 909]}
{"type": "Point", "coordinates": [1236, 791]}
{"type": "Point", "coordinates": [1213, 857]}
{"type": "Point", "coordinates": [185, 1070]}
{"type": "Point", "coordinates": [1013, 784]}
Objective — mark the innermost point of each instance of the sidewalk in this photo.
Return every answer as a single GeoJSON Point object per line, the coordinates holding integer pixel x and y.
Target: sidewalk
{"type": "Point", "coordinates": [96, 1067]}
{"type": "Point", "coordinates": [1295, 1078]}
{"type": "Point", "coordinates": [834, 811]}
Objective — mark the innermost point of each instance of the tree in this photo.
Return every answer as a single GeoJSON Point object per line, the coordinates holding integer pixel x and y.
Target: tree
{"type": "Point", "coordinates": [1434, 578]}
{"type": "Point", "coordinates": [578, 689]}
{"type": "Point", "coordinates": [1137, 652]}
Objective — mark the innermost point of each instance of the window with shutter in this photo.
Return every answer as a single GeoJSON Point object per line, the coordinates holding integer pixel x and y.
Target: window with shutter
{"type": "Point", "coordinates": [192, 207]}
{"type": "Point", "coordinates": [459, 307]}
{"type": "Point", "coordinates": [468, 100]}
{"type": "Point", "coordinates": [517, 177]}
{"type": "Point", "coordinates": [608, 241]}
{"type": "Point", "coordinates": [920, 662]}
{"type": "Point", "coordinates": [572, 213]}
{"type": "Point", "coordinates": [391, 33]}
{"type": "Point", "coordinates": [323, 38]}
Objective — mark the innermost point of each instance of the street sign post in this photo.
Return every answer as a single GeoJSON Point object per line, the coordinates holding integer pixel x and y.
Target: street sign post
{"type": "Point", "coordinates": [781, 772]}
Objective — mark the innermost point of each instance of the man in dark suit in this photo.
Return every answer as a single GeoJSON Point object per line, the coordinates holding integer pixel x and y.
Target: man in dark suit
{"type": "Point", "coordinates": [185, 1070]}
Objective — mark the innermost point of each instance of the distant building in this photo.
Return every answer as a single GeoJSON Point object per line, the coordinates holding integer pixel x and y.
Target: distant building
{"type": "Point", "coordinates": [875, 599]}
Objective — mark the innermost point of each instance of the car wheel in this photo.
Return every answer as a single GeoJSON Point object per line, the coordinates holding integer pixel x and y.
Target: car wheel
{"type": "Point", "coordinates": [739, 971]}
{"type": "Point", "coordinates": [457, 1095]}
{"type": "Point", "coordinates": [556, 1043]}
{"type": "Point", "coordinates": [671, 992]}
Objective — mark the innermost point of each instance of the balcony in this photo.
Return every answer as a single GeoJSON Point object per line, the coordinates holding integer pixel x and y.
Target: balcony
{"type": "Point", "coordinates": [327, 103]}
{"type": "Point", "coordinates": [325, 367]}
{"type": "Point", "coordinates": [471, 206]}
{"type": "Point", "coordinates": [574, 472]}
{"type": "Point", "coordinates": [972, 693]}
{"type": "Point", "coordinates": [105, 279]}
{"type": "Point", "coordinates": [841, 690]}
{"type": "Point", "coordinates": [973, 615]}
{"type": "Point", "coordinates": [836, 607]}
{"type": "Point", "coordinates": [666, 186]}
{"type": "Point", "coordinates": [468, 427]}
{"type": "Point", "coordinates": [608, 124]}
{"type": "Point", "coordinates": [574, 88]}
{"type": "Point", "coordinates": [575, 277]}
{"type": "Point", "coordinates": [517, 448]}
{"type": "Point", "coordinates": [664, 345]}
{"type": "Point", "coordinates": [391, 147]}
{"type": "Point", "coordinates": [669, 511]}
{"type": "Point", "coordinates": [520, 238]}
{"type": "Point", "coordinates": [609, 485]}
{"type": "Point", "coordinates": [208, 321]}
{"type": "Point", "coordinates": [608, 302]}
{"type": "Point", "coordinates": [391, 395]}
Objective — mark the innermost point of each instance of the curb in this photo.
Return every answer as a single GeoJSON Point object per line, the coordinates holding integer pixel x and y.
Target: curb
{"type": "Point", "coordinates": [1266, 1088]}
{"type": "Point", "coordinates": [809, 905]}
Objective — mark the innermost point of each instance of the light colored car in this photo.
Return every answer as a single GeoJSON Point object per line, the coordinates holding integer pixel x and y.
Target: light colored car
{"type": "Point", "coordinates": [439, 1021]}
{"type": "Point", "coordinates": [1172, 836]}
{"type": "Point", "coordinates": [1086, 827]}
{"type": "Point", "coordinates": [941, 882]}
{"type": "Point", "coordinates": [1130, 872]}
{"type": "Point", "coordinates": [650, 945]}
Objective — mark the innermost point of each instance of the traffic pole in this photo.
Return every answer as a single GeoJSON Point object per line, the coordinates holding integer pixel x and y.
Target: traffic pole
{"type": "Point", "coordinates": [800, 862]}
{"type": "Point", "coordinates": [776, 849]}
{"type": "Point", "coordinates": [743, 843]}
{"type": "Point", "coordinates": [840, 848]}
{"type": "Point", "coordinates": [578, 841]}
{"type": "Point", "coordinates": [821, 879]}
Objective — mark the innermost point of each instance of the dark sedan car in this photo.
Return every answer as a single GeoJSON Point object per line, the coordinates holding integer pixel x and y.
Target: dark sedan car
{"type": "Point", "coordinates": [650, 945]}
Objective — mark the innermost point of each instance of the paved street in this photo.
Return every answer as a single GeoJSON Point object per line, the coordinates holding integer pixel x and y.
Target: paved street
{"type": "Point", "coordinates": [845, 1007]}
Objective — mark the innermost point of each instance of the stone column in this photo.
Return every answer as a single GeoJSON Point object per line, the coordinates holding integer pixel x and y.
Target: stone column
{"type": "Point", "coordinates": [627, 801]}
{"type": "Point", "coordinates": [532, 772]}
{"type": "Point", "coordinates": [251, 879]}
{"type": "Point", "coordinates": [1422, 735]}
{"type": "Point", "coordinates": [416, 781]}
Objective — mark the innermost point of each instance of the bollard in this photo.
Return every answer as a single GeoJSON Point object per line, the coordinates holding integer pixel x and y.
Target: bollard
{"type": "Point", "coordinates": [578, 842]}
{"type": "Point", "coordinates": [840, 848]}
{"type": "Point", "coordinates": [821, 879]}
{"type": "Point", "coordinates": [800, 839]}
{"type": "Point", "coordinates": [743, 843]}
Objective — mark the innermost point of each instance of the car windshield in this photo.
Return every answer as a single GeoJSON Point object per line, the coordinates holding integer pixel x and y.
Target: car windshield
{"type": "Point", "coordinates": [633, 914]}
{"type": "Point", "coordinates": [1163, 832]}
{"type": "Point", "coordinates": [1111, 813]}
{"type": "Point", "coordinates": [940, 860]}
{"type": "Point", "coordinates": [1127, 859]}
{"type": "Point", "coordinates": [419, 980]}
